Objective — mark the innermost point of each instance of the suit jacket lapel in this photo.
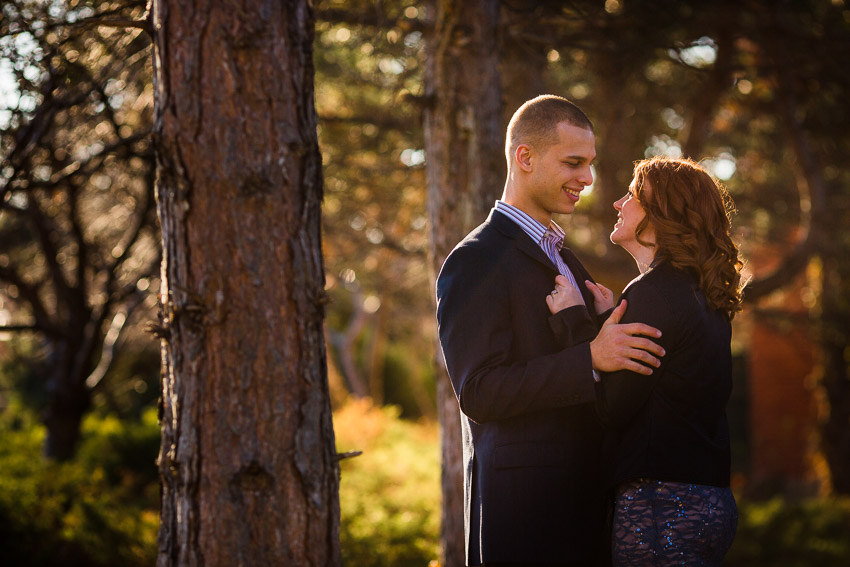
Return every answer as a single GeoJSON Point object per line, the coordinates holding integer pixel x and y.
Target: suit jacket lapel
{"type": "Point", "coordinates": [579, 273]}
{"type": "Point", "coordinates": [510, 229]}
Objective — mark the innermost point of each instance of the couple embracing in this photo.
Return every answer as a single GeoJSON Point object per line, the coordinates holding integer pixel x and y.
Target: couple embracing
{"type": "Point", "coordinates": [592, 433]}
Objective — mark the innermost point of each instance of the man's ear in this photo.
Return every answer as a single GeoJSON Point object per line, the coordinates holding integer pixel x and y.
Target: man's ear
{"type": "Point", "coordinates": [523, 156]}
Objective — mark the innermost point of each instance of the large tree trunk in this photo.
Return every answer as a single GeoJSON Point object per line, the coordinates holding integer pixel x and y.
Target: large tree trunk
{"type": "Point", "coordinates": [247, 464]}
{"type": "Point", "coordinates": [465, 165]}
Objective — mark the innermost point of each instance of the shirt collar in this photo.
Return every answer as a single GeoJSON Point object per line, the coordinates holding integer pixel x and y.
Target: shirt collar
{"type": "Point", "coordinates": [533, 228]}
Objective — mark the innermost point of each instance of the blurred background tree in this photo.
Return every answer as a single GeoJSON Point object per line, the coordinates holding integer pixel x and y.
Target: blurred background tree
{"type": "Point", "coordinates": [79, 244]}
{"type": "Point", "coordinates": [369, 63]}
{"type": "Point", "coordinates": [755, 89]}
{"type": "Point", "coordinates": [464, 142]}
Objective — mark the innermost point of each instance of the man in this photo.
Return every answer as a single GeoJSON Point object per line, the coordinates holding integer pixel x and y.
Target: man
{"type": "Point", "coordinates": [531, 440]}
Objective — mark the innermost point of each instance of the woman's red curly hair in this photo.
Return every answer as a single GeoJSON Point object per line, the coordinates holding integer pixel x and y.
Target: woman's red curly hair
{"type": "Point", "coordinates": [690, 212]}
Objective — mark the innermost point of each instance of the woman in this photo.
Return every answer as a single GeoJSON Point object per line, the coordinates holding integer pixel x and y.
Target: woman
{"type": "Point", "coordinates": [669, 439]}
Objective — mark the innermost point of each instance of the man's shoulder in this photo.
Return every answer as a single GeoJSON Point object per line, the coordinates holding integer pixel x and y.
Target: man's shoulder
{"type": "Point", "coordinates": [480, 250]}
{"type": "Point", "coordinates": [492, 233]}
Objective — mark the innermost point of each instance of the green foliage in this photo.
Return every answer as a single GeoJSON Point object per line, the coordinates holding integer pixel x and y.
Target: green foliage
{"type": "Point", "coordinates": [99, 509]}
{"type": "Point", "coordinates": [389, 495]}
{"type": "Point", "coordinates": [805, 534]}
{"type": "Point", "coordinates": [409, 383]}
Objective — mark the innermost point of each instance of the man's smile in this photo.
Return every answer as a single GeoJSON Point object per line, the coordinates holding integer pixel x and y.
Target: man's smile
{"type": "Point", "coordinates": [573, 192]}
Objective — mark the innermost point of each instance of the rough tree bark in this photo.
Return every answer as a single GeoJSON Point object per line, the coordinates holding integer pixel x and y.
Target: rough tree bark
{"type": "Point", "coordinates": [464, 149]}
{"type": "Point", "coordinates": [247, 464]}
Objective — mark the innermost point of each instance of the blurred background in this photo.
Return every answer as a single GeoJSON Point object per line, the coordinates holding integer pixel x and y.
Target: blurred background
{"type": "Point", "coordinates": [756, 90]}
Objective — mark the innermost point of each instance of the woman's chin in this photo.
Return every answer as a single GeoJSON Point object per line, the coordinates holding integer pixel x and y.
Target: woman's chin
{"type": "Point", "coordinates": [615, 237]}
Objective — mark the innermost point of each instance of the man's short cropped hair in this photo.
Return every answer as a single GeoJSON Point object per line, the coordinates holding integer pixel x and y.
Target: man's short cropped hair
{"type": "Point", "coordinates": [536, 122]}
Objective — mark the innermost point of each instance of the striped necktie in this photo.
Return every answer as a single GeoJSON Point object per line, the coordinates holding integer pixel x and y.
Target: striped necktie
{"type": "Point", "coordinates": [551, 244]}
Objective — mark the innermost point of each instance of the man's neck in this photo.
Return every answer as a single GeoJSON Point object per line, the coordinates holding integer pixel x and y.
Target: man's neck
{"type": "Point", "coordinates": [538, 216]}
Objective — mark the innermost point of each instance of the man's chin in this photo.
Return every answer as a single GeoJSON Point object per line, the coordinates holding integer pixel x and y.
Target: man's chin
{"type": "Point", "coordinates": [567, 209]}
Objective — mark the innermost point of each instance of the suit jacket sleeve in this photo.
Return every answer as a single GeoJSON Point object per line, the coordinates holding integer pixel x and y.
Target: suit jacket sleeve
{"type": "Point", "coordinates": [573, 326]}
{"type": "Point", "coordinates": [474, 314]}
{"type": "Point", "coordinates": [624, 392]}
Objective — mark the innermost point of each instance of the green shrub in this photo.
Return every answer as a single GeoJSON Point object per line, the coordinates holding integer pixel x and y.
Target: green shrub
{"type": "Point", "coordinates": [99, 509]}
{"type": "Point", "coordinates": [389, 495]}
{"type": "Point", "coordinates": [776, 533]}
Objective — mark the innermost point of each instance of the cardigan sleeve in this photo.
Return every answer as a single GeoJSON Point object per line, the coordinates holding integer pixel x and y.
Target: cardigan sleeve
{"type": "Point", "coordinates": [622, 393]}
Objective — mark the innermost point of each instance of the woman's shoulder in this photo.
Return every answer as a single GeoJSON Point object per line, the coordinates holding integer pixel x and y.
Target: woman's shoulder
{"type": "Point", "coordinates": [668, 286]}
{"type": "Point", "coordinates": [667, 278]}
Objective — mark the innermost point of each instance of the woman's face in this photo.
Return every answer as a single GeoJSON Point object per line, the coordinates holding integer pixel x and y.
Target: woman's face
{"type": "Point", "coordinates": [629, 215]}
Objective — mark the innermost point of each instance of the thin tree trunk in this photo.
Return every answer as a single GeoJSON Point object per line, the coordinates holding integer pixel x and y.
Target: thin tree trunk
{"type": "Point", "coordinates": [523, 65]}
{"type": "Point", "coordinates": [832, 374]}
{"type": "Point", "coordinates": [68, 395]}
{"type": "Point", "coordinates": [68, 399]}
{"type": "Point", "coordinates": [247, 464]}
{"type": "Point", "coordinates": [377, 355]}
{"type": "Point", "coordinates": [464, 149]}
{"type": "Point", "coordinates": [614, 163]}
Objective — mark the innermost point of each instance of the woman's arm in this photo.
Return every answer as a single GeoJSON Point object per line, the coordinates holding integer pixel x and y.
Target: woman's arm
{"type": "Point", "coordinates": [570, 320]}
{"type": "Point", "coordinates": [623, 393]}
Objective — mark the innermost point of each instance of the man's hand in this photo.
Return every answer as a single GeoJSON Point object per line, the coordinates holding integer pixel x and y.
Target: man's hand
{"type": "Point", "coordinates": [618, 346]}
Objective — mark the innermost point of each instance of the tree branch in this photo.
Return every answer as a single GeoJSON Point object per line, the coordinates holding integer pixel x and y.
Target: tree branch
{"type": "Point", "coordinates": [107, 353]}
{"type": "Point", "coordinates": [20, 328]}
{"type": "Point", "coordinates": [144, 25]}
{"type": "Point", "coordinates": [382, 120]}
{"type": "Point", "coordinates": [79, 239]}
{"type": "Point", "coordinates": [376, 19]}
{"type": "Point", "coordinates": [44, 230]}
{"type": "Point", "coordinates": [29, 293]}
{"type": "Point", "coordinates": [712, 90]}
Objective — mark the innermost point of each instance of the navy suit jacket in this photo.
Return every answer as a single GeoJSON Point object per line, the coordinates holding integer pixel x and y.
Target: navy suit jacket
{"type": "Point", "coordinates": [531, 440]}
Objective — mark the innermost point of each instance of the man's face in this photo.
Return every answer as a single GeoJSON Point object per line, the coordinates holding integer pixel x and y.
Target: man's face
{"type": "Point", "coordinates": [560, 172]}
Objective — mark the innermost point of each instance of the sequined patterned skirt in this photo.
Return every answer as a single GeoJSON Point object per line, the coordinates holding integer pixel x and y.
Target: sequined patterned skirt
{"type": "Point", "coordinates": [670, 523]}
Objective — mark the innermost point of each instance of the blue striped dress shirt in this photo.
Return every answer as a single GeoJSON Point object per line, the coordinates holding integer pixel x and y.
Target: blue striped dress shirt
{"type": "Point", "coordinates": [549, 239]}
